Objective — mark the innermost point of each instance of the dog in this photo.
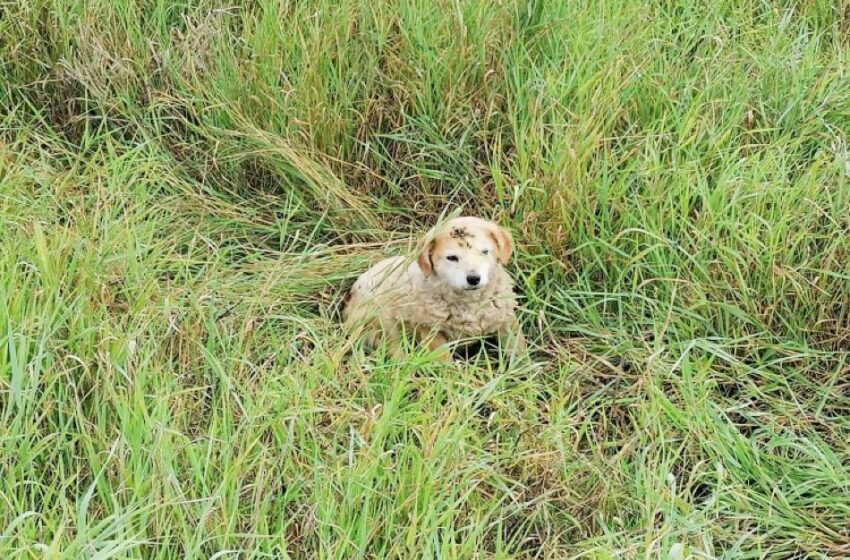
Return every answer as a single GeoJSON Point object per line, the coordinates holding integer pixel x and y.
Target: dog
{"type": "Point", "coordinates": [454, 288]}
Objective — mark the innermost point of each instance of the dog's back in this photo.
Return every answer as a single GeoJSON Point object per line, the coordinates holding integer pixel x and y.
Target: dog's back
{"type": "Point", "coordinates": [373, 287]}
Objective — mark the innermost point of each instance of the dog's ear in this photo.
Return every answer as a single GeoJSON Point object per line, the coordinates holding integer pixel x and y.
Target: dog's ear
{"type": "Point", "coordinates": [424, 248]}
{"type": "Point", "coordinates": [504, 244]}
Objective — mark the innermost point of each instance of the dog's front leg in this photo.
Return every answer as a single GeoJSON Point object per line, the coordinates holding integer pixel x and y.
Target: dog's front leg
{"type": "Point", "coordinates": [436, 342]}
{"type": "Point", "coordinates": [439, 344]}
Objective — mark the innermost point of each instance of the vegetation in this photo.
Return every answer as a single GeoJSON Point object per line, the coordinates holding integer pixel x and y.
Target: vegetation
{"type": "Point", "coordinates": [187, 189]}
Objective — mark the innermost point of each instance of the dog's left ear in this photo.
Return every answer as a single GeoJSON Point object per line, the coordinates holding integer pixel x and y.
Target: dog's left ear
{"type": "Point", "coordinates": [504, 244]}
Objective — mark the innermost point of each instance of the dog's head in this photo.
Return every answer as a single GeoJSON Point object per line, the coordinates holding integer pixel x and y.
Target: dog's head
{"type": "Point", "coordinates": [463, 252]}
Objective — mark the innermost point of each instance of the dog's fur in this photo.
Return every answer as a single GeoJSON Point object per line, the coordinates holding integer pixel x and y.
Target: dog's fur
{"type": "Point", "coordinates": [436, 297]}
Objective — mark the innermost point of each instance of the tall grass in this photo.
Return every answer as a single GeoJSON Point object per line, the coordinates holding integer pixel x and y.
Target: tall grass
{"type": "Point", "coordinates": [187, 190]}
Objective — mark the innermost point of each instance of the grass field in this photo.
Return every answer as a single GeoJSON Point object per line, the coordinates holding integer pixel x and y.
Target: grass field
{"type": "Point", "coordinates": [187, 190]}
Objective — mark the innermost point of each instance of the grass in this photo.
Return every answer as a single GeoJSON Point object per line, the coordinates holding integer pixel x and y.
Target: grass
{"type": "Point", "coordinates": [187, 189]}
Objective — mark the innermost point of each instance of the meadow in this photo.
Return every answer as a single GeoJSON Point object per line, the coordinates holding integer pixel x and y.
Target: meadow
{"type": "Point", "coordinates": [188, 189]}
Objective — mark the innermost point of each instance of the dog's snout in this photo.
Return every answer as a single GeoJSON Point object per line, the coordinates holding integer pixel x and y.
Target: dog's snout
{"type": "Point", "coordinates": [473, 279]}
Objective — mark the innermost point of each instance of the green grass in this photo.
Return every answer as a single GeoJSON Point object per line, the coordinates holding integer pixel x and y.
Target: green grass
{"type": "Point", "coordinates": [187, 189]}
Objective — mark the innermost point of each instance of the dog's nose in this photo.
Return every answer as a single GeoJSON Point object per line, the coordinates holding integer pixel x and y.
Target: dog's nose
{"type": "Point", "coordinates": [473, 279]}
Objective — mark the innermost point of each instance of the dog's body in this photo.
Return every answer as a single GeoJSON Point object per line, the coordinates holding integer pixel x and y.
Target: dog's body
{"type": "Point", "coordinates": [455, 289]}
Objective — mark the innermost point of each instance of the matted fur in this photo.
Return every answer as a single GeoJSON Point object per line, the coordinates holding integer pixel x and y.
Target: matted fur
{"type": "Point", "coordinates": [429, 295]}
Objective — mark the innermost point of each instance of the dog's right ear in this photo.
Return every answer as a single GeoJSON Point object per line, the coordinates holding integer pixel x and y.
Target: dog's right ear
{"type": "Point", "coordinates": [424, 249]}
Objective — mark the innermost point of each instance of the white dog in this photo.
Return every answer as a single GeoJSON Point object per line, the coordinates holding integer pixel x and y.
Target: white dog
{"type": "Point", "coordinates": [455, 288]}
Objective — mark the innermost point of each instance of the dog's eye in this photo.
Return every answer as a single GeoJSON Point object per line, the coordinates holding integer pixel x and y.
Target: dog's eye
{"type": "Point", "coordinates": [452, 258]}
{"type": "Point", "coordinates": [485, 252]}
